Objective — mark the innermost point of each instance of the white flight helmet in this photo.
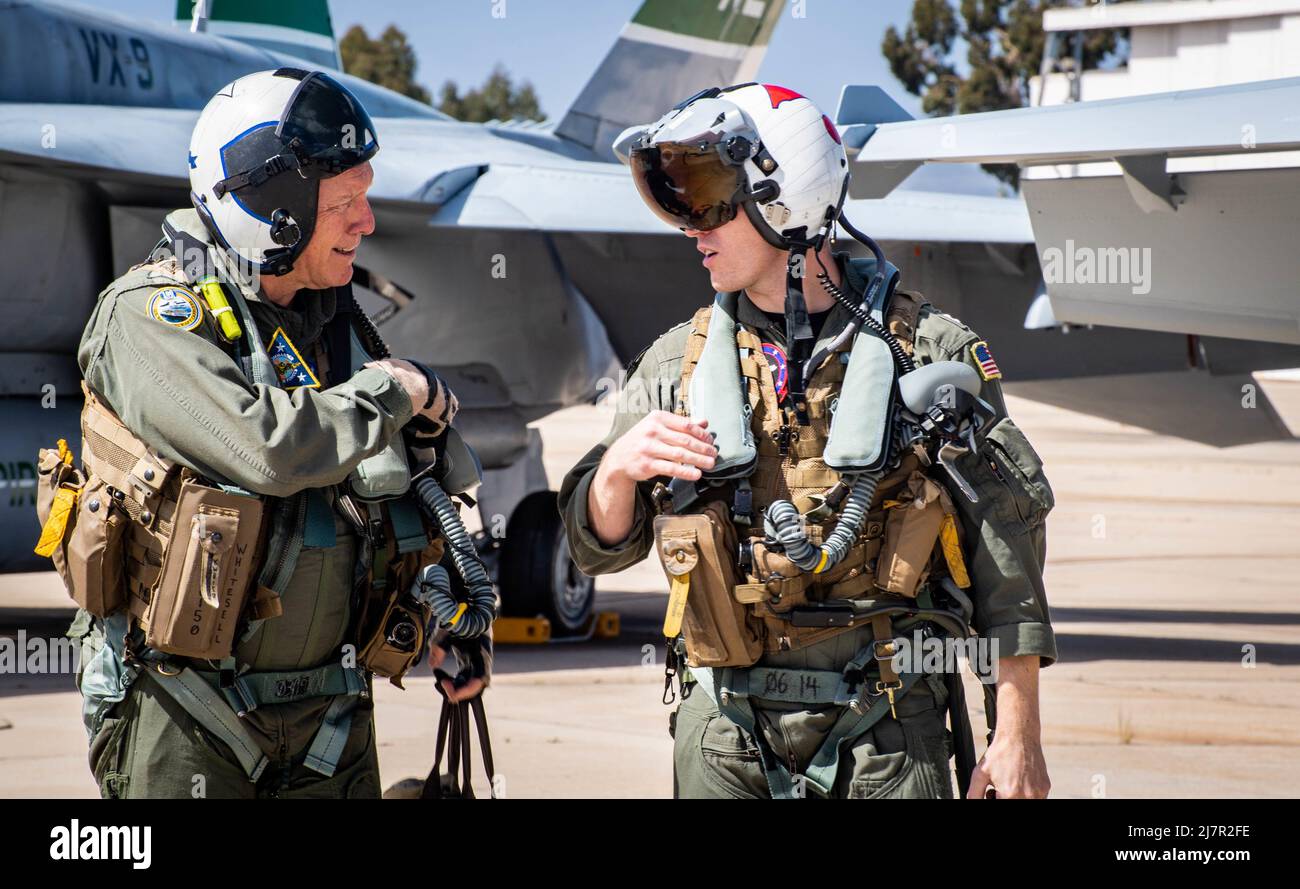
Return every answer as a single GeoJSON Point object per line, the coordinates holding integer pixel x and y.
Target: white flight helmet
{"type": "Point", "coordinates": [761, 147]}
{"type": "Point", "coordinates": [258, 153]}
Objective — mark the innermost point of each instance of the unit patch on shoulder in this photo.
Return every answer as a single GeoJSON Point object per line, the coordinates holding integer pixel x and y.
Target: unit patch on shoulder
{"type": "Point", "coordinates": [984, 358]}
{"type": "Point", "coordinates": [177, 307]}
{"type": "Point", "coordinates": [293, 371]}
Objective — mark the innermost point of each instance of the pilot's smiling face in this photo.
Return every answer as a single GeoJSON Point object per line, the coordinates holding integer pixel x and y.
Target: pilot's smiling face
{"type": "Point", "coordinates": [736, 254]}
{"type": "Point", "coordinates": [343, 218]}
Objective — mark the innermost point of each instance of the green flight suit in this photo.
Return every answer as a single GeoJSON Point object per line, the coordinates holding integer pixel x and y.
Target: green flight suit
{"type": "Point", "coordinates": [181, 391]}
{"type": "Point", "coordinates": [1005, 552]}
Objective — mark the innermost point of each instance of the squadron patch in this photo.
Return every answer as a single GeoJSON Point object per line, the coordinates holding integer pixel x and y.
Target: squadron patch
{"type": "Point", "coordinates": [177, 307]}
{"type": "Point", "coordinates": [293, 371]}
{"type": "Point", "coordinates": [984, 358]}
{"type": "Point", "coordinates": [777, 364]}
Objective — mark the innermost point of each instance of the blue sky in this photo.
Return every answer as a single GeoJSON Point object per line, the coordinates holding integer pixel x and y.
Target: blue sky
{"type": "Point", "coordinates": [557, 44]}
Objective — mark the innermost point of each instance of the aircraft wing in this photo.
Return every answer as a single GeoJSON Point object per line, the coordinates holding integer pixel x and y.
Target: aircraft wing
{"type": "Point", "coordinates": [1172, 212]}
{"type": "Point", "coordinates": [440, 169]}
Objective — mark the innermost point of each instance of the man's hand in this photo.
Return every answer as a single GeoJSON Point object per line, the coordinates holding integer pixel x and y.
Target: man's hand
{"type": "Point", "coordinates": [408, 376]}
{"type": "Point", "coordinates": [661, 444]}
{"type": "Point", "coordinates": [430, 395]}
{"type": "Point", "coordinates": [469, 670]}
{"type": "Point", "coordinates": [1014, 766]}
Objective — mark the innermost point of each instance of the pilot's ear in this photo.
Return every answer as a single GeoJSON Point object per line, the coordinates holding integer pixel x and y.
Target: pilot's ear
{"type": "Point", "coordinates": [627, 140]}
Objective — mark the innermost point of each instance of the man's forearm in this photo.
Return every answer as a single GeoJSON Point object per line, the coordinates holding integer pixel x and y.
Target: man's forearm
{"type": "Point", "coordinates": [611, 505]}
{"type": "Point", "coordinates": [1017, 684]}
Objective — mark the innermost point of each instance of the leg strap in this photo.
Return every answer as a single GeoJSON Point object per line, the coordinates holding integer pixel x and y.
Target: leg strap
{"type": "Point", "coordinates": [327, 746]}
{"type": "Point", "coordinates": [863, 700]}
{"type": "Point", "coordinates": [216, 702]}
{"type": "Point", "coordinates": [209, 709]}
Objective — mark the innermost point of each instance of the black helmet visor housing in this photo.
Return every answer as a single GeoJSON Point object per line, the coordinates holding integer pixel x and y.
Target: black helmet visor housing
{"type": "Point", "coordinates": [326, 128]}
{"type": "Point", "coordinates": [688, 186]}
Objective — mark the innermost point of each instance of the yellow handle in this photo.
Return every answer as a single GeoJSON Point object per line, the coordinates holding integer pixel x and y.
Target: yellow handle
{"type": "Point", "coordinates": [681, 587]}
{"type": "Point", "coordinates": [65, 499]}
{"type": "Point", "coordinates": [952, 551]}
{"type": "Point", "coordinates": [460, 612]}
{"type": "Point", "coordinates": [220, 308]}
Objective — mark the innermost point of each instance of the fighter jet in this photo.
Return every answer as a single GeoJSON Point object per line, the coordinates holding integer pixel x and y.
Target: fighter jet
{"type": "Point", "coordinates": [517, 258]}
{"type": "Point", "coordinates": [1170, 214]}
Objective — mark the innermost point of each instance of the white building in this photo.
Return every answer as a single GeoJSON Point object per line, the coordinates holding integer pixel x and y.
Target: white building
{"type": "Point", "coordinates": [1178, 45]}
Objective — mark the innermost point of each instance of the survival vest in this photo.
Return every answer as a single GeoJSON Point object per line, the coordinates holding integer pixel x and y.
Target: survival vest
{"type": "Point", "coordinates": [742, 606]}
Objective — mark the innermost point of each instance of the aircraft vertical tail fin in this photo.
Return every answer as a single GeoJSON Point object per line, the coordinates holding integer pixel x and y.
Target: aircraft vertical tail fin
{"type": "Point", "coordinates": [298, 27]}
{"type": "Point", "coordinates": [670, 49]}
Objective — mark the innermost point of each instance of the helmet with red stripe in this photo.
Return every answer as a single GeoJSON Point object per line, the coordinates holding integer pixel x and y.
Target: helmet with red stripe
{"type": "Point", "coordinates": [760, 148]}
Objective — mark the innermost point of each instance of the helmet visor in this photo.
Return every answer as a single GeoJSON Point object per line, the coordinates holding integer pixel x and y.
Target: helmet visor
{"type": "Point", "coordinates": [687, 186]}
{"type": "Point", "coordinates": [326, 127]}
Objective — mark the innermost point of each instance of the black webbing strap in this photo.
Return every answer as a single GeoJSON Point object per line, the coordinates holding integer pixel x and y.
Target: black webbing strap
{"type": "Point", "coordinates": [272, 166]}
{"type": "Point", "coordinates": [454, 740]}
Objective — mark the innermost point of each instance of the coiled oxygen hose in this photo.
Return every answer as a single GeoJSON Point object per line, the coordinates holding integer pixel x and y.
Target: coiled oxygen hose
{"type": "Point", "coordinates": [784, 524]}
{"type": "Point", "coordinates": [464, 619]}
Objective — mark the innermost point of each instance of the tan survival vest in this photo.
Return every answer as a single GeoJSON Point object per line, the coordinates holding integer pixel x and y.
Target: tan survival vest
{"type": "Point", "coordinates": [130, 529]}
{"type": "Point", "coordinates": [734, 611]}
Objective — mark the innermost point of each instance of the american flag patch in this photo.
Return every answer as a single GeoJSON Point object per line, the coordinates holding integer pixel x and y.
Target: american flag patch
{"type": "Point", "coordinates": [984, 358]}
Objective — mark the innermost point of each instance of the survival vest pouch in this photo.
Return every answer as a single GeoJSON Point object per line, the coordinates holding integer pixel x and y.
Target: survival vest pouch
{"type": "Point", "coordinates": [81, 532]}
{"type": "Point", "coordinates": [696, 552]}
{"type": "Point", "coordinates": [145, 533]}
{"type": "Point", "coordinates": [387, 473]}
{"type": "Point", "coordinates": [208, 566]}
{"type": "Point", "coordinates": [915, 520]}
{"type": "Point", "coordinates": [392, 624]}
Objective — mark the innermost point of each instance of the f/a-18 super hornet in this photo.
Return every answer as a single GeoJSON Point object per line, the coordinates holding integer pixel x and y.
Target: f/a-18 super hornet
{"type": "Point", "coordinates": [515, 257]}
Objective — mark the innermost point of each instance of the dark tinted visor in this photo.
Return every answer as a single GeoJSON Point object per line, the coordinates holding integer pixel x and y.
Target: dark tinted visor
{"type": "Point", "coordinates": [685, 185]}
{"type": "Point", "coordinates": [333, 133]}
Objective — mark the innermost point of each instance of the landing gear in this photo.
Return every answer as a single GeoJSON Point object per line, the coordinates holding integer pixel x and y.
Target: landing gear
{"type": "Point", "coordinates": [537, 575]}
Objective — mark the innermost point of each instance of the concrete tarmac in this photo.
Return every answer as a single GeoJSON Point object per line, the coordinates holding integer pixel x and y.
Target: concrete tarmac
{"type": "Point", "coordinates": [1172, 574]}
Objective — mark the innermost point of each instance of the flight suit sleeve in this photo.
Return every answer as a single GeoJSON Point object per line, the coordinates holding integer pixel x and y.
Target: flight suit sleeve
{"type": "Point", "coordinates": [651, 385]}
{"type": "Point", "coordinates": [1004, 534]}
{"type": "Point", "coordinates": [182, 393]}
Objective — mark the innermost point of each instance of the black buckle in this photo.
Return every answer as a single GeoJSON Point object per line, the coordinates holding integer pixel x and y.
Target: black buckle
{"type": "Point", "coordinates": [827, 615]}
{"type": "Point", "coordinates": [742, 505]}
{"type": "Point", "coordinates": [375, 531]}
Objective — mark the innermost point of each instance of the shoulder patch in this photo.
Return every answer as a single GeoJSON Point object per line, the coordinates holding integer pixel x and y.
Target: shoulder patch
{"type": "Point", "coordinates": [988, 368]}
{"type": "Point", "coordinates": [176, 307]}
